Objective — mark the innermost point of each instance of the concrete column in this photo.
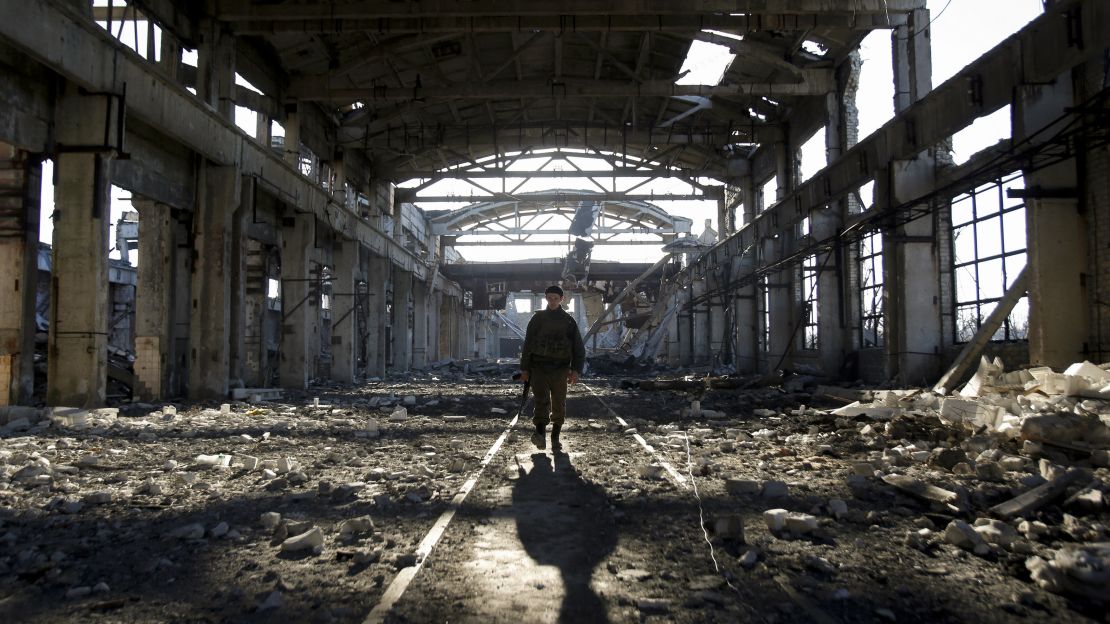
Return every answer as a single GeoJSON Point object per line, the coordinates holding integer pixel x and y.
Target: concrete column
{"type": "Point", "coordinates": [20, 184]}
{"type": "Point", "coordinates": [210, 323]}
{"type": "Point", "coordinates": [256, 283]}
{"type": "Point", "coordinates": [751, 199]}
{"type": "Point", "coordinates": [78, 342]}
{"type": "Point", "coordinates": [377, 278]}
{"type": "Point", "coordinates": [911, 263]}
{"type": "Point", "coordinates": [292, 149]}
{"type": "Point", "coordinates": [300, 332]}
{"type": "Point", "coordinates": [699, 319]}
{"type": "Point", "coordinates": [344, 319]}
{"type": "Point", "coordinates": [169, 60]}
{"type": "Point", "coordinates": [154, 300]}
{"type": "Point", "coordinates": [402, 319]}
{"type": "Point", "coordinates": [833, 329]}
{"type": "Point", "coordinates": [1057, 237]}
{"type": "Point", "coordinates": [717, 331]}
{"type": "Point", "coordinates": [238, 330]}
{"type": "Point", "coordinates": [420, 314]}
{"type": "Point", "coordinates": [746, 318]}
{"type": "Point", "coordinates": [216, 69]}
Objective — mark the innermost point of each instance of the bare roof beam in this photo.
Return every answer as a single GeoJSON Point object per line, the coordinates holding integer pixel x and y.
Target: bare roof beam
{"type": "Point", "coordinates": [817, 82]}
{"type": "Point", "coordinates": [238, 10]}
{"type": "Point", "coordinates": [684, 23]}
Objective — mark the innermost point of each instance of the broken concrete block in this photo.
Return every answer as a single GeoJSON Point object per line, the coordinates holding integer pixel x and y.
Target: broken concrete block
{"type": "Point", "coordinates": [217, 461]}
{"type": "Point", "coordinates": [838, 508]}
{"type": "Point", "coordinates": [650, 471]}
{"type": "Point", "coordinates": [775, 519]}
{"type": "Point", "coordinates": [454, 418]}
{"type": "Point", "coordinates": [947, 458]}
{"type": "Point", "coordinates": [742, 487]}
{"type": "Point", "coordinates": [1065, 428]}
{"type": "Point", "coordinates": [97, 498]}
{"type": "Point", "coordinates": [270, 519]}
{"type": "Point", "coordinates": [219, 530]}
{"type": "Point", "coordinates": [356, 526]}
{"type": "Point", "coordinates": [961, 411]}
{"type": "Point", "coordinates": [192, 531]}
{"type": "Point", "coordinates": [995, 531]}
{"type": "Point", "coordinates": [989, 471]}
{"type": "Point", "coordinates": [800, 523]}
{"type": "Point", "coordinates": [961, 534]}
{"type": "Point", "coordinates": [1088, 500]}
{"type": "Point", "coordinates": [729, 527]}
{"type": "Point", "coordinates": [273, 601]}
{"type": "Point", "coordinates": [863, 469]}
{"type": "Point", "coordinates": [312, 539]}
{"type": "Point", "coordinates": [285, 464]}
{"type": "Point", "coordinates": [774, 489]}
{"type": "Point", "coordinates": [248, 462]}
{"type": "Point", "coordinates": [399, 414]}
{"type": "Point", "coordinates": [1100, 458]}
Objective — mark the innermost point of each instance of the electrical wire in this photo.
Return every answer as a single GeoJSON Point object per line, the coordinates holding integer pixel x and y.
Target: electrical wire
{"type": "Point", "coordinates": [701, 517]}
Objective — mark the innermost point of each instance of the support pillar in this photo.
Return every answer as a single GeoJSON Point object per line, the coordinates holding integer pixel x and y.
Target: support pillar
{"type": "Point", "coordinates": [210, 323]}
{"type": "Point", "coordinates": [292, 142]}
{"type": "Point", "coordinates": [216, 69]}
{"type": "Point", "coordinates": [402, 319]}
{"type": "Point", "coordinates": [1057, 232]}
{"type": "Point", "coordinates": [20, 187]}
{"type": "Point", "coordinates": [240, 275]}
{"type": "Point", "coordinates": [344, 304]}
{"type": "Point", "coordinates": [299, 331]}
{"type": "Point", "coordinates": [256, 282]}
{"type": "Point", "coordinates": [377, 279]}
{"type": "Point", "coordinates": [78, 341]}
{"type": "Point", "coordinates": [700, 331]}
{"type": "Point", "coordinates": [154, 300]}
{"type": "Point", "coordinates": [911, 260]}
{"type": "Point", "coordinates": [420, 314]}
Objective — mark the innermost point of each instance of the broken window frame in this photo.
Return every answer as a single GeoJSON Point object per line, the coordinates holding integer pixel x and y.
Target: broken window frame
{"type": "Point", "coordinates": [1006, 257]}
{"type": "Point", "coordinates": [810, 336]}
{"type": "Point", "coordinates": [870, 259]}
{"type": "Point", "coordinates": [764, 293]}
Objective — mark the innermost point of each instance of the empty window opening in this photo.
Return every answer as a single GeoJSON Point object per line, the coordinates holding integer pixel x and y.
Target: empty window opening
{"type": "Point", "coordinates": [989, 251]}
{"type": "Point", "coordinates": [871, 290]}
{"type": "Point", "coordinates": [131, 29]}
{"type": "Point", "coordinates": [769, 192]}
{"type": "Point", "coordinates": [876, 83]}
{"type": "Point", "coordinates": [523, 305]}
{"type": "Point", "coordinates": [983, 133]}
{"type": "Point", "coordinates": [764, 315]}
{"type": "Point", "coordinates": [273, 288]}
{"type": "Point", "coordinates": [814, 155]}
{"type": "Point", "coordinates": [705, 64]}
{"type": "Point", "coordinates": [809, 302]}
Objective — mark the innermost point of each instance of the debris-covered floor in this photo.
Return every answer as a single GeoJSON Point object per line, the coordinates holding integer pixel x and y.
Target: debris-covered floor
{"type": "Point", "coordinates": [819, 504]}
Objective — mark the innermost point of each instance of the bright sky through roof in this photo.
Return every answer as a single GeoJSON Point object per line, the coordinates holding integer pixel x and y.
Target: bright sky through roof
{"type": "Point", "coordinates": [964, 31]}
{"type": "Point", "coordinates": [706, 64]}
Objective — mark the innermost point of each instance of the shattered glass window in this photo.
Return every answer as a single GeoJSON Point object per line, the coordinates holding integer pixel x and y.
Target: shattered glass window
{"type": "Point", "coordinates": [809, 302]}
{"type": "Point", "coordinates": [764, 316]}
{"type": "Point", "coordinates": [988, 252]}
{"type": "Point", "coordinates": [871, 290]}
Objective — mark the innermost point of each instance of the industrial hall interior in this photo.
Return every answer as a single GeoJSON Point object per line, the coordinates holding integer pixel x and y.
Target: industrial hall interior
{"type": "Point", "coordinates": [289, 290]}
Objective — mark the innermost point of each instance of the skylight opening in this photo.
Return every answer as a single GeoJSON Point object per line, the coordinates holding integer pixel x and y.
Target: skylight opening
{"type": "Point", "coordinates": [814, 48]}
{"type": "Point", "coordinates": [705, 64]}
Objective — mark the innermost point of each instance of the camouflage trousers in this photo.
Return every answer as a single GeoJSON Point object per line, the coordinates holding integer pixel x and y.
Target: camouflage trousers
{"type": "Point", "coordinates": [549, 386]}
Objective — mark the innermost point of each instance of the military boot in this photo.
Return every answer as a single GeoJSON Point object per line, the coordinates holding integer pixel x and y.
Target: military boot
{"type": "Point", "coordinates": [556, 445]}
{"type": "Point", "coordinates": [538, 438]}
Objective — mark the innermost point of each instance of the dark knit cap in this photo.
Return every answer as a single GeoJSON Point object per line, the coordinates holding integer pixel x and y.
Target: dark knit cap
{"type": "Point", "coordinates": [554, 289]}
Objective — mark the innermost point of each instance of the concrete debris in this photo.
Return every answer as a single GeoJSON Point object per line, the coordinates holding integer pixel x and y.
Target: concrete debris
{"type": "Point", "coordinates": [1082, 570]}
{"type": "Point", "coordinates": [311, 540]}
{"type": "Point", "coordinates": [963, 535]}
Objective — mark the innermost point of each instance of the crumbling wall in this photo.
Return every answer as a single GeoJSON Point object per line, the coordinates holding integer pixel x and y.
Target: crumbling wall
{"type": "Point", "coordinates": [1095, 195]}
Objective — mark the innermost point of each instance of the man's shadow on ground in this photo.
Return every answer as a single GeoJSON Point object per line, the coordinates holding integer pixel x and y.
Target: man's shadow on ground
{"type": "Point", "coordinates": [567, 523]}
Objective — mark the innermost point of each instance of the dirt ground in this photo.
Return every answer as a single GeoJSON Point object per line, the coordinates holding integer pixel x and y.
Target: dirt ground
{"type": "Point", "coordinates": [121, 520]}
